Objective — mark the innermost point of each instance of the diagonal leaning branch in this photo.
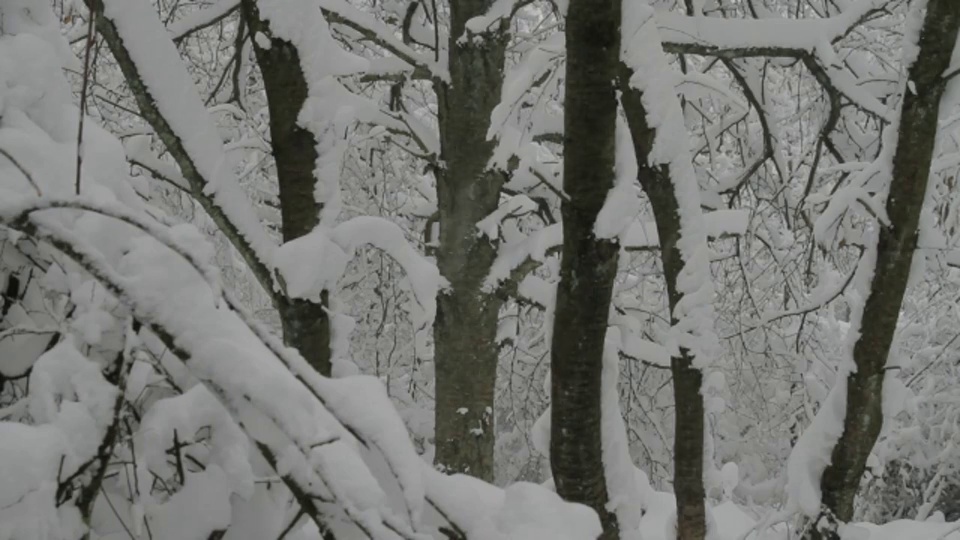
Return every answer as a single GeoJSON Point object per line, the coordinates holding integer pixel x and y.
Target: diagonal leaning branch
{"type": "Point", "coordinates": [309, 490]}
{"type": "Point", "coordinates": [251, 242]}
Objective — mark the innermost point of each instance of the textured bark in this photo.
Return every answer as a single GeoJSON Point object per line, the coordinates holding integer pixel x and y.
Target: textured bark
{"type": "Point", "coordinates": [688, 415]}
{"type": "Point", "coordinates": [897, 243]}
{"type": "Point", "coordinates": [589, 264]}
{"type": "Point", "coordinates": [306, 325]}
{"type": "Point", "coordinates": [466, 325]}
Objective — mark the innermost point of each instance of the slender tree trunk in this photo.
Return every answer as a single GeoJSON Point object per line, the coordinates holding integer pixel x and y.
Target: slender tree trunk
{"type": "Point", "coordinates": [895, 250]}
{"type": "Point", "coordinates": [660, 187]}
{"type": "Point", "coordinates": [589, 264]}
{"type": "Point", "coordinates": [687, 380]}
{"type": "Point", "coordinates": [306, 325]}
{"type": "Point", "coordinates": [688, 448]}
{"type": "Point", "coordinates": [467, 191]}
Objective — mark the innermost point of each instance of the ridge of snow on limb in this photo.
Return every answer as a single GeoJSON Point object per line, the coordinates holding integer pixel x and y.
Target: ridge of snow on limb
{"type": "Point", "coordinates": [652, 76]}
{"type": "Point", "coordinates": [172, 89]}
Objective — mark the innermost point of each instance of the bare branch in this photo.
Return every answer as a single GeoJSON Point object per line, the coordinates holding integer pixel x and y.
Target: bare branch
{"type": "Point", "coordinates": [205, 18]}
{"type": "Point", "coordinates": [24, 171]}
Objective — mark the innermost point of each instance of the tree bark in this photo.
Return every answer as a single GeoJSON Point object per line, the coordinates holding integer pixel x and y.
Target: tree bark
{"type": "Point", "coordinates": [895, 250]}
{"type": "Point", "coordinates": [465, 329]}
{"type": "Point", "coordinates": [687, 380]}
{"type": "Point", "coordinates": [306, 326]}
{"type": "Point", "coordinates": [589, 264]}
{"type": "Point", "coordinates": [688, 444]}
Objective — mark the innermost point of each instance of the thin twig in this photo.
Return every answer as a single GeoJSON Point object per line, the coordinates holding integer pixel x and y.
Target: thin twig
{"type": "Point", "coordinates": [25, 172]}
{"type": "Point", "coordinates": [83, 95]}
{"type": "Point", "coordinates": [293, 522]}
{"type": "Point", "coordinates": [117, 514]}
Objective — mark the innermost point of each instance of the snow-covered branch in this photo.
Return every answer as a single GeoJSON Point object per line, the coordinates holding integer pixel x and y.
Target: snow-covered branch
{"type": "Point", "coordinates": [168, 100]}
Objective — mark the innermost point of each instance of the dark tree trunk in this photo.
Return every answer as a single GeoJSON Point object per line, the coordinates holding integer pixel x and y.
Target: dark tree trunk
{"type": "Point", "coordinates": [306, 325]}
{"type": "Point", "coordinates": [589, 264]}
{"type": "Point", "coordinates": [897, 243]}
{"type": "Point", "coordinates": [687, 380]}
{"type": "Point", "coordinates": [467, 191]}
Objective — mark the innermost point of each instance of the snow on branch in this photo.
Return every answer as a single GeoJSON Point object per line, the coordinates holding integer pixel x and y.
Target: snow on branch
{"type": "Point", "coordinates": [329, 109]}
{"type": "Point", "coordinates": [423, 275]}
{"type": "Point", "coordinates": [739, 38]}
{"type": "Point", "coordinates": [522, 113]}
{"type": "Point", "coordinates": [497, 16]}
{"type": "Point", "coordinates": [182, 239]}
{"type": "Point", "coordinates": [637, 236]}
{"type": "Point", "coordinates": [323, 439]}
{"type": "Point", "coordinates": [719, 224]}
{"type": "Point", "coordinates": [340, 12]}
{"type": "Point", "coordinates": [300, 421]}
{"type": "Point", "coordinates": [200, 19]}
{"type": "Point", "coordinates": [656, 119]}
{"type": "Point", "coordinates": [218, 347]}
{"type": "Point", "coordinates": [535, 246]}
{"type": "Point", "coordinates": [168, 99]}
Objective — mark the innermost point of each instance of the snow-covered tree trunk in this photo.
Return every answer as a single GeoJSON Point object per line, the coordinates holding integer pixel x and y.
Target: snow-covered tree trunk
{"type": "Point", "coordinates": [589, 263]}
{"type": "Point", "coordinates": [665, 172]}
{"type": "Point", "coordinates": [306, 325]}
{"type": "Point", "coordinates": [468, 190]}
{"type": "Point", "coordinates": [687, 380]}
{"type": "Point", "coordinates": [894, 253]}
